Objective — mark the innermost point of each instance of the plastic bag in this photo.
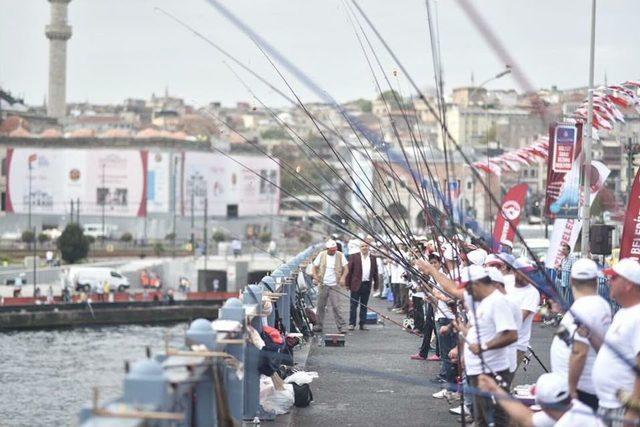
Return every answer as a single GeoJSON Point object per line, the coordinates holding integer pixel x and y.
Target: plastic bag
{"type": "Point", "coordinates": [277, 401]}
{"type": "Point", "coordinates": [301, 377]}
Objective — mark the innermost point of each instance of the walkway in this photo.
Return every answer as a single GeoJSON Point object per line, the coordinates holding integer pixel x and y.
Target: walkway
{"type": "Point", "coordinates": [364, 383]}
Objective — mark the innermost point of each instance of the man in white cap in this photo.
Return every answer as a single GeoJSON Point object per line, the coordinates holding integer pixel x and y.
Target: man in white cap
{"type": "Point", "coordinates": [572, 352]}
{"type": "Point", "coordinates": [553, 397]}
{"type": "Point", "coordinates": [527, 298]}
{"type": "Point", "coordinates": [329, 270]}
{"type": "Point", "coordinates": [491, 330]}
{"type": "Point", "coordinates": [610, 372]}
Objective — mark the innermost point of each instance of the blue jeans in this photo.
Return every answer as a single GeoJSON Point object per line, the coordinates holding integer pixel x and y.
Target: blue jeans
{"type": "Point", "coordinates": [448, 369]}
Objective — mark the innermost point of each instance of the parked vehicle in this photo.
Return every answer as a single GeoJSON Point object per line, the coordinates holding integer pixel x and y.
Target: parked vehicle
{"type": "Point", "coordinates": [98, 232]}
{"type": "Point", "coordinates": [88, 279]}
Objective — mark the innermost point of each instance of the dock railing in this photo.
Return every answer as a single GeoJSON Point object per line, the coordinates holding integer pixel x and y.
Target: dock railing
{"type": "Point", "coordinates": [213, 379]}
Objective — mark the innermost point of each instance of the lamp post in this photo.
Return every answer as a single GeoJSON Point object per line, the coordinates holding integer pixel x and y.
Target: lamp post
{"type": "Point", "coordinates": [588, 141]}
{"type": "Point", "coordinates": [104, 203]}
{"type": "Point", "coordinates": [498, 76]}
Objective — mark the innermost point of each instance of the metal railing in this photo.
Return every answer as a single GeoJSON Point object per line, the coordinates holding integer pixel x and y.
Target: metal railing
{"type": "Point", "coordinates": [562, 284]}
{"type": "Point", "coordinates": [213, 379]}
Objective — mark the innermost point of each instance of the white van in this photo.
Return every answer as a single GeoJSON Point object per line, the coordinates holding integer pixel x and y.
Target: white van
{"type": "Point", "coordinates": [88, 279]}
{"type": "Point", "coordinates": [95, 230]}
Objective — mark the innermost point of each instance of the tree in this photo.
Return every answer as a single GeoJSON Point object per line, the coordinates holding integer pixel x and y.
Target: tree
{"type": "Point", "coordinates": [28, 236]}
{"type": "Point", "coordinates": [73, 244]}
{"type": "Point", "coordinates": [218, 236]}
{"type": "Point", "coordinates": [274, 133]}
{"type": "Point", "coordinates": [364, 105]}
{"type": "Point", "coordinates": [43, 238]}
{"type": "Point", "coordinates": [265, 237]}
{"type": "Point", "coordinates": [126, 237]}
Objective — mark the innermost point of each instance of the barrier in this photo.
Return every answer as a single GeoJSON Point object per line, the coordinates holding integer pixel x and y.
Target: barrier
{"type": "Point", "coordinates": [212, 380]}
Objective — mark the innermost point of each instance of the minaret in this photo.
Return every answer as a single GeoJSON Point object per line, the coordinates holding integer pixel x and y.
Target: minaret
{"type": "Point", "coordinates": [58, 32]}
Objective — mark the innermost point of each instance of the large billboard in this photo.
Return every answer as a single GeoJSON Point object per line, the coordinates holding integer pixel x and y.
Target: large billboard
{"type": "Point", "coordinates": [124, 182]}
{"type": "Point", "coordinates": [110, 180]}
{"type": "Point", "coordinates": [238, 186]}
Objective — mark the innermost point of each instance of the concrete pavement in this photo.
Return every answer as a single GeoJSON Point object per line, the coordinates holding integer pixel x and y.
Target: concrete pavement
{"type": "Point", "coordinates": [372, 381]}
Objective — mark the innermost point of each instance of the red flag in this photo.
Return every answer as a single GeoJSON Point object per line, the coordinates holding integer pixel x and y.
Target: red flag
{"type": "Point", "coordinates": [512, 207]}
{"type": "Point", "coordinates": [630, 246]}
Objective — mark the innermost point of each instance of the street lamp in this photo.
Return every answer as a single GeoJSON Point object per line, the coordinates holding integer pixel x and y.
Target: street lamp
{"type": "Point", "coordinates": [498, 76]}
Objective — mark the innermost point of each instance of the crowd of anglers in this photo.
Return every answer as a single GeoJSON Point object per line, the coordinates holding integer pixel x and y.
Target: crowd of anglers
{"type": "Point", "coordinates": [480, 306]}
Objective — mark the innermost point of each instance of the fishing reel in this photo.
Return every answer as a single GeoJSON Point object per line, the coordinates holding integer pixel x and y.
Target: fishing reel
{"type": "Point", "coordinates": [408, 324]}
{"type": "Point", "coordinates": [563, 333]}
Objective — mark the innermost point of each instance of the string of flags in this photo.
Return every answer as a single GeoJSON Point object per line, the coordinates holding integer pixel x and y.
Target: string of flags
{"type": "Point", "coordinates": [609, 103]}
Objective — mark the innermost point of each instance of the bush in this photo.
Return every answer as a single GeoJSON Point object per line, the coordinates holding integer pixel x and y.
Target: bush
{"type": "Point", "coordinates": [265, 237]}
{"type": "Point", "coordinates": [28, 236]}
{"type": "Point", "coordinates": [158, 249]}
{"type": "Point", "coordinates": [218, 236]}
{"type": "Point", "coordinates": [126, 237]}
{"type": "Point", "coordinates": [43, 238]}
{"type": "Point", "coordinates": [73, 244]}
{"type": "Point", "coordinates": [305, 238]}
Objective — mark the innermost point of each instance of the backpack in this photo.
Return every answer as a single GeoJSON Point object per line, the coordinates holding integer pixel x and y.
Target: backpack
{"type": "Point", "coordinates": [302, 395]}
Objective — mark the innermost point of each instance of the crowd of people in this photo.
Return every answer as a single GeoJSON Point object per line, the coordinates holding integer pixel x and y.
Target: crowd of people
{"type": "Point", "coordinates": [475, 311]}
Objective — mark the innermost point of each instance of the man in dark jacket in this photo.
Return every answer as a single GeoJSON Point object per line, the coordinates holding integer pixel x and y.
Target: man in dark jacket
{"type": "Point", "coordinates": [363, 272]}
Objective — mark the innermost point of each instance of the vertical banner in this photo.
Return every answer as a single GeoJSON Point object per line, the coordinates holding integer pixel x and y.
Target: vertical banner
{"type": "Point", "coordinates": [566, 230]}
{"type": "Point", "coordinates": [510, 213]}
{"type": "Point", "coordinates": [562, 193]}
{"type": "Point", "coordinates": [362, 169]}
{"type": "Point", "coordinates": [630, 246]}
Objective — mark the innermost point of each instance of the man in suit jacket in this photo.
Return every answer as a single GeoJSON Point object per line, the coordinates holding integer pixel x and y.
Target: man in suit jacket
{"type": "Point", "coordinates": [362, 273]}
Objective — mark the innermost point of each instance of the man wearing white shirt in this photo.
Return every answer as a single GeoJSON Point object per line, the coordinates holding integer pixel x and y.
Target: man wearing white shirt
{"type": "Point", "coordinates": [575, 356]}
{"type": "Point", "coordinates": [552, 395]}
{"type": "Point", "coordinates": [491, 330]}
{"type": "Point", "coordinates": [329, 270]}
{"type": "Point", "coordinates": [527, 298]}
{"type": "Point", "coordinates": [610, 372]}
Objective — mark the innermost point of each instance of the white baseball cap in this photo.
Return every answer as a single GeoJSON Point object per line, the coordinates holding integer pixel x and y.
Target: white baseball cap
{"type": "Point", "coordinates": [472, 273]}
{"type": "Point", "coordinates": [506, 258]}
{"type": "Point", "coordinates": [506, 243]}
{"type": "Point", "coordinates": [551, 389]}
{"type": "Point", "coordinates": [495, 275]}
{"type": "Point", "coordinates": [449, 253]}
{"type": "Point", "coordinates": [628, 268]}
{"type": "Point", "coordinates": [477, 256]}
{"type": "Point", "coordinates": [584, 269]}
{"type": "Point", "coordinates": [331, 244]}
{"type": "Point", "coordinates": [524, 264]}
{"type": "Point", "coordinates": [492, 260]}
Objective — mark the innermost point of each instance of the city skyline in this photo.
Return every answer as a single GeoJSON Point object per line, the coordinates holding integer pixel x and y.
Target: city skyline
{"type": "Point", "coordinates": [161, 55]}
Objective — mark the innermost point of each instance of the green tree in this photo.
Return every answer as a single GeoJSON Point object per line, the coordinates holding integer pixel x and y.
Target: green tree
{"type": "Point", "coordinates": [218, 236]}
{"type": "Point", "coordinates": [28, 236]}
{"type": "Point", "coordinates": [43, 238]}
{"type": "Point", "coordinates": [126, 237]}
{"type": "Point", "coordinates": [274, 133]}
{"type": "Point", "coordinates": [364, 104]}
{"type": "Point", "coordinates": [265, 237]}
{"type": "Point", "coordinates": [73, 244]}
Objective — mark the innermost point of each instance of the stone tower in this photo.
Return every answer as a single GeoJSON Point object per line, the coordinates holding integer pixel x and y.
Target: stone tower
{"type": "Point", "coordinates": [58, 32]}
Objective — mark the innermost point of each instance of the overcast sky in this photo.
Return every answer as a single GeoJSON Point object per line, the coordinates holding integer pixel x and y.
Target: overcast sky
{"type": "Point", "coordinates": [124, 48]}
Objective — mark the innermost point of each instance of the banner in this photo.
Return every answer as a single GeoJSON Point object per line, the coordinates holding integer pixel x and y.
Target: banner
{"type": "Point", "coordinates": [104, 180]}
{"type": "Point", "coordinates": [562, 193]}
{"type": "Point", "coordinates": [566, 230]}
{"type": "Point", "coordinates": [362, 169]}
{"type": "Point", "coordinates": [512, 207]}
{"type": "Point", "coordinates": [630, 246]}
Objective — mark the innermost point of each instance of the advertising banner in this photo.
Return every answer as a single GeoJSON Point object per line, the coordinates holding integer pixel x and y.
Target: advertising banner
{"type": "Point", "coordinates": [630, 245]}
{"type": "Point", "coordinates": [230, 188]}
{"type": "Point", "coordinates": [158, 181]}
{"type": "Point", "coordinates": [562, 193]}
{"type": "Point", "coordinates": [509, 216]}
{"type": "Point", "coordinates": [112, 181]}
{"type": "Point", "coordinates": [566, 230]}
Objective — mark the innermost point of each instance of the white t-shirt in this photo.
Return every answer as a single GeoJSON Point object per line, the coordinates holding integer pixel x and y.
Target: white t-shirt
{"type": "Point", "coordinates": [366, 267]}
{"type": "Point", "coordinates": [578, 415]}
{"type": "Point", "coordinates": [330, 272]}
{"type": "Point", "coordinates": [610, 373]}
{"type": "Point", "coordinates": [397, 272]}
{"type": "Point", "coordinates": [494, 316]}
{"type": "Point", "coordinates": [595, 314]}
{"type": "Point", "coordinates": [525, 298]}
{"type": "Point", "coordinates": [513, 348]}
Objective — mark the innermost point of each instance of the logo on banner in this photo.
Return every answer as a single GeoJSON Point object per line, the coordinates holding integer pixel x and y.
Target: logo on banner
{"type": "Point", "coordinates": [74, 174]}
{"type": "Point", "coordinates": [511, 210]}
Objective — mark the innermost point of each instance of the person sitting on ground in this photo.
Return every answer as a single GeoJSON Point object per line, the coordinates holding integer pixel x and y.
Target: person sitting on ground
{"type": "Point", "coordinates": [552, 394]}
